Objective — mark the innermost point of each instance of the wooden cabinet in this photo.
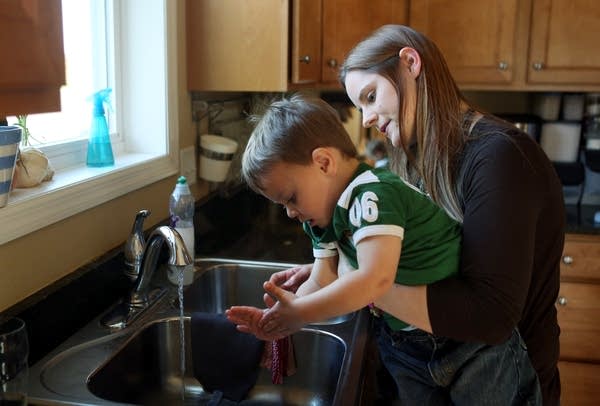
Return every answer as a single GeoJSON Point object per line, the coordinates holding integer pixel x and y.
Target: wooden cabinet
{"type": "Point", "coordinates": [580, 383]}
{"type": "Point", "coordinates": [237, 45]}
{"type": "Point", "coordinates": [346, 22]}
{"type": "Point", "coordinates": [564, 42]}
{"type": "Point", "coordinates": [277, 45]}
{"type": "Point", "coordinates": [578, 308]}
{"type": "Point", "coordinates": [514, 44]}
{"type": "Point", "coordinates": [33, 67]}
{"type": "Point", "coordinates": [476, 37]}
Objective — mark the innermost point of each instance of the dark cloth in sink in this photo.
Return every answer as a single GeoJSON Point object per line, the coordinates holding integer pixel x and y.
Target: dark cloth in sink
{"type": "Point", "coordinates": [224, 359]}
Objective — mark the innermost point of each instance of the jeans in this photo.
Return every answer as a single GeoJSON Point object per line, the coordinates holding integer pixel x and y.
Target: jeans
{"type": "Point", "coordinates": [431, 370]}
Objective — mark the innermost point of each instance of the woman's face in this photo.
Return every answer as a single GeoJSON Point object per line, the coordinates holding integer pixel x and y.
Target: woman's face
{"type": "Point", "coordinates": [377, 99]}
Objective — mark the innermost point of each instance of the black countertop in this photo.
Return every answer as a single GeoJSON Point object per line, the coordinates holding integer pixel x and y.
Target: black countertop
{"type": "Point", "coordinates": [580, 219]}
{"type": "Point", "coordinates": [237, 224]}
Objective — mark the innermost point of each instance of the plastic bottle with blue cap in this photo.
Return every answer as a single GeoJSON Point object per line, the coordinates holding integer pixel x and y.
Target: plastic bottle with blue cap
{"type": "Point", "coordinates": [99, 151]}
{"type": "Point", "coordinates": [181, 210]}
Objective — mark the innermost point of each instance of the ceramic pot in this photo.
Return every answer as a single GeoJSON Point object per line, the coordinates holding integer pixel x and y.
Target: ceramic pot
{"type": "Point", "coordinates": [10, 137]}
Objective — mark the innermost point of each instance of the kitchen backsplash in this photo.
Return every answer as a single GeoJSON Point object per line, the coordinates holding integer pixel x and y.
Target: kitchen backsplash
{"type": "Point", "coordinates": [556, 120]}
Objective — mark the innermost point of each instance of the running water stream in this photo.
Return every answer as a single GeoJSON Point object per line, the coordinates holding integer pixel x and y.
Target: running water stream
{"type": "Point", "coordinates": [180, 271]}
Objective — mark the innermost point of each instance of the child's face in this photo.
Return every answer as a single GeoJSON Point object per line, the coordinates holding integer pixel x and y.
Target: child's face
{"type": "Point", "coordinates": [305, 191]}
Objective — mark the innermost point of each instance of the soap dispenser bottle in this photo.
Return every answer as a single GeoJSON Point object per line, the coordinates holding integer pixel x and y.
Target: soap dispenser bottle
{"type": "Point", "coordinates": [99, 151]}
{"type": "Point", "coordinates": [181, 209]}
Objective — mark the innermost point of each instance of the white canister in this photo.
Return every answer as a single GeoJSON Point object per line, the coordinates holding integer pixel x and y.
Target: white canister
{"type": "Point", "coordinates": [560, 141]}
{"type": "Point", "coordinates": [216, 154]}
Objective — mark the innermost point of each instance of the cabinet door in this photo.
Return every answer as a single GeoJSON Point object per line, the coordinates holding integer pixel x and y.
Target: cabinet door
{"type": "Point", "coordinates": [33, 67]}
{"type": "Point", "coordinates": [578, 308]}
{"type": "Point", "coordinates": [346, 22]}
{"type": "Point", "coordinates": [235, 45]}
{"type": "Point", "coordinates": [477, 37]}
{"type": "Point", "coordinates": [564, 42]}
{"type": "Point", "coordinates": [581, 258]}
{"type": "Point", "coordinates": [580, 383]}
{"type": "Point", "coordinates": [306, 41]}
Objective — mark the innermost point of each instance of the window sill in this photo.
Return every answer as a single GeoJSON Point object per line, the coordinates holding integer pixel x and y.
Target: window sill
{"type": "Point", "coordinates": [73, 190]}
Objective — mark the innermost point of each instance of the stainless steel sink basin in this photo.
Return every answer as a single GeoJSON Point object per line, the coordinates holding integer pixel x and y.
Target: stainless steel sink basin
{"type": "Point", "coordinates": [141, 363]}
{"type": "Point", "coordinates": [222, 284]}
{"type": "Point", "coordinates": [149, 364]}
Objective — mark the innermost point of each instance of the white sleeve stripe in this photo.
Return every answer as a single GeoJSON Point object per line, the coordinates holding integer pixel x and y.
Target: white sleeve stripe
{"type": "Point", "coordinates": [320, 253]}
{"type": "Point", "coordinates": [378, 229]}
{"type": "Point", "coordinates": [363, 178]}
{"type": "Point", "coordinates": [328, 245]}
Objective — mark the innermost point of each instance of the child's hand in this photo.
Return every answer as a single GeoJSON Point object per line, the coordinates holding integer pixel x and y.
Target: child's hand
{"type": "Point", "coordinates": [247, 318]}
{"type": "Point", "coordinates": [290, 279]}
{"type": "Point", "coordinates": [282, 319]}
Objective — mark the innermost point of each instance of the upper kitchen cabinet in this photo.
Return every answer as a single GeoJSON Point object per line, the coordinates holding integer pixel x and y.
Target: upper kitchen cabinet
{"type": "Point", "coordinates": [340, 24]}
{"type": "Point", "coordinates": [515, 44]}
{"type": "Point", "coordinates": [277, 45]}
{"type": "Point", "coordinates": [564, 42]}
{"type": "Point", "coordinates": [33, 65]}
{"type": "Point", "coordinates": [237, 45]}
{"type": "Point", "coordinates": [477, 37]}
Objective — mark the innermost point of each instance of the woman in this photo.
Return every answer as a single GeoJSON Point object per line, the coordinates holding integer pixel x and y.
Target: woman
{"type": "Point", "coordinates": [486, 174]}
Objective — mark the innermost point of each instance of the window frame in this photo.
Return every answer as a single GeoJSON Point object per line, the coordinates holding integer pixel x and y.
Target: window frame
{"type": "Point", "coordinates": [77, 188]}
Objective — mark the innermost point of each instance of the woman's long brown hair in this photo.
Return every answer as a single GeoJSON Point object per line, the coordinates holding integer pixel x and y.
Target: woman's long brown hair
{"type": "Point", "coordinates": [432, 160]}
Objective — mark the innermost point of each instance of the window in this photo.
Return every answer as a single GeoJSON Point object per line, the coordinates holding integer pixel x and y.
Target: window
{"type": "Point", "coordinates": [85, 27]}
{"type": "Point", "coordinates": [143, 120]}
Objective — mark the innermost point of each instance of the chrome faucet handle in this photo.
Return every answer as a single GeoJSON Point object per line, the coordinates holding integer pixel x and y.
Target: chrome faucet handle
{"type": "Point", "coordinates": [141, 296]}
{"type": "Point", "coordinates": [134, 247]}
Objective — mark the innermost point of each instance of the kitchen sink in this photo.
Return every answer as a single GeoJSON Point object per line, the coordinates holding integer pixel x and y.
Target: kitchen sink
{"type": "Point", "coordinates": [141, 364]}
{"type": "Point", "coordinates": [225, 283]}
{"type": "Point", "coordinates": [148, 371]}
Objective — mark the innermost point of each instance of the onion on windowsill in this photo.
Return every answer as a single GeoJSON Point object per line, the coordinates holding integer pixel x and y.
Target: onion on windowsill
{"type": "Point", "coordinates": [32, 168]}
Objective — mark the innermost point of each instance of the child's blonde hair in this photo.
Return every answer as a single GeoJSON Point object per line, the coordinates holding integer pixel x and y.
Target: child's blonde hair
{"type": "Point", "coordinates": [289, 131]}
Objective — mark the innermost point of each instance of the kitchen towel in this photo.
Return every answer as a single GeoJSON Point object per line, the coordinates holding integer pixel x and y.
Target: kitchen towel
{"type": "Point", "coordinates": [224, 359]}
{"type": "Point", "coordinates": [279, 357]}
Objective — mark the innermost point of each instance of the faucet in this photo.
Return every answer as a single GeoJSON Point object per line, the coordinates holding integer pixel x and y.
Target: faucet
{"type": "Point", "coordinates": [134, 246]}
{"type": "Point", "coordinates": [141, 297]}
{"type": "Point", "coordinates": [179, 256]}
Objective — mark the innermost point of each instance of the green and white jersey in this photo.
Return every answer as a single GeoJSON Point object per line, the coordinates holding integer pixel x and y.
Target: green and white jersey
{"type": "Point", "coordinates": [378, 202]}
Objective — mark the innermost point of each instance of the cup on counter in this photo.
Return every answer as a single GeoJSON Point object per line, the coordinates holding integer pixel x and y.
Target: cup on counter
{"type": "Point", "coordinates": [14, 352]}
{"type": "Point", "coordinates": [216, 154]}
{"type": "Point", "coordinates": [560, 141]}
{"type": "Point", "coordinates": [10, 137]}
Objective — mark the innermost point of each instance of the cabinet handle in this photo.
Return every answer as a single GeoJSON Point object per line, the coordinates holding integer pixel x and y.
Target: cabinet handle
{"type": "Point", "coordinates": [567, 260]}
{"type": "Point", "coordinates": [538, 66]}
{"type": "Point", "coordinates": [332, 63]}
{"type": "Point", "coordinates": [305, 59]}
{"type": "Point", "coordinates": [502, 65]}
{"type": "Point", "coordinates": [562, 301]}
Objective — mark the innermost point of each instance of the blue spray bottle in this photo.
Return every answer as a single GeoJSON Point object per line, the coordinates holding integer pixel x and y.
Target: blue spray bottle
{"type": "Point", "coordinates": [99, 149]}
